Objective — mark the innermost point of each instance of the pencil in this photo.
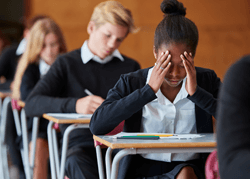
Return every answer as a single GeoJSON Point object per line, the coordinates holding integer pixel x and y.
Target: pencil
{"type": "Point", "coordinates": [160, 135]}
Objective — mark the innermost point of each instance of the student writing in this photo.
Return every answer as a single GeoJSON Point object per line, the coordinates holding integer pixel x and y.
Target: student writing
{"type": "Point", "coordinates": [8, 62]}
{"type": "Point", "coordinates": [45, 43]}
{"type": "Point", "coordinates": [96, 66]}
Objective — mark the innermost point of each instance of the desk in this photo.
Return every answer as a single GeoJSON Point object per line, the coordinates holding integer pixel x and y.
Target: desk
{"type": "Point", "coordinates": [21, 103]}
{"type": "Point", "coordinates": [53, 148]}
{"type": "Point", "coordinates": [4, 94]}
{"type": "Point", "coordinates": [131, 147]}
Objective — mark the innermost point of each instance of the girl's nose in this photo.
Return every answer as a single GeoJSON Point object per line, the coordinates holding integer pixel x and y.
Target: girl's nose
{"type": "Point", "coordinates": [174, 71]}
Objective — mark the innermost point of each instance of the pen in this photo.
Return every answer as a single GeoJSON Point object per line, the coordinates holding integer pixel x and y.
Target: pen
{"type": "Point", "coordinates": [88, 92]}
{"type": "Point", "coordinates": [140, 137]}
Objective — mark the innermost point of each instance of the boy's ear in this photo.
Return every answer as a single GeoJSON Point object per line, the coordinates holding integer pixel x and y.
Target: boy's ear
{"type": "Point", "coordinates": [91, 27]}
{"type": "Point", "coordinates": [154, 52]}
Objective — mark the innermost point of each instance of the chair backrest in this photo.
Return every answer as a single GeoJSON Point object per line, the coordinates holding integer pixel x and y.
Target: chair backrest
{"type": "Point", "coordinates": [116, 130]}
{"type": "Point", "coordinates": [212, 166]}
{"type": "Point", "coordinates": [15, 105]}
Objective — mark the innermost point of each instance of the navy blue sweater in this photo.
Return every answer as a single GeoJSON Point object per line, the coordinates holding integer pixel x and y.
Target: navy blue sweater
{"type": "Point", "coordinates": [8, 63]}
{"type": "Point", "coordinates": [233, 129]}
{"type": "Point", "coordinates": [65, 82]}
{"type": "Point", "coordinates": [126, 100]}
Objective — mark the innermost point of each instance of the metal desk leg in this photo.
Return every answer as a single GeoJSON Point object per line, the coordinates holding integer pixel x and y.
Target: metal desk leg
{"type": "Point", "coordinates": [51, 151]}
{"type": "Point", "coordinates": [108, 162]}
{"type": "Point", "coordinates": [117, 159]}
{"type": "Point", "coordinates": [3, 147]}
{"type": "Point", "coordinates": [4, 117]}
{"type": "Point", "coordinates": [25, 146]}
{"type": "Point", "coordinates": [33, 139]}
{"type": "Point", "coordinates": [1, 161]}
{"type": "Point", "coordinates": [65, 145]}
{"type": "Point", "coordinates": [56, 153]}
{"type": "Point", "coordinates": [99, 161]}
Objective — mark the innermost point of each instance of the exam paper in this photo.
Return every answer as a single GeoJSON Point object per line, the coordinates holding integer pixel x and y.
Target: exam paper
{"type": "Point", "coordinates": [175, 136]}
{"type": "Point", "coordinates": [70, 115]}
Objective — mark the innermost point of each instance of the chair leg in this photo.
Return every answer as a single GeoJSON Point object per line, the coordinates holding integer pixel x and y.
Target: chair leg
{"type": "Point", "coordinates": [99, 162]}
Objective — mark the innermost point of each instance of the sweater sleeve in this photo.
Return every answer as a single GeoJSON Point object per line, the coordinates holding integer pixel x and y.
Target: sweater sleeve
{"type": "Point", "coordinates": [30, 77]}
{"type": "Point", "coordinates": [233, 129]}
{"type": "Point", "coordinates": [45, 97]}
{"type": "Point", "coordinates": [207, 99]}
{"type": "Point", "coordinates": [6, 60]}
{"type": "Point", "coordinates": [121, 103]}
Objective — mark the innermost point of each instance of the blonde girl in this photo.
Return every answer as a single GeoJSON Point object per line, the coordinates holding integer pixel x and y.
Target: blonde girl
{"type": "Point", "coordinates": [45, 43]}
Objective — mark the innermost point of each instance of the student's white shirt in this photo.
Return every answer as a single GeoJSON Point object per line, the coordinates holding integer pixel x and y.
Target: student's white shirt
{"type": "Point", "coordinates": [87, 55]}
{"type": "Point", "coordinates": [43, 67]}
{"type": "Point", "coordinates": [21, 47]}
{"type": "Point", "coordinates": [163, 116]}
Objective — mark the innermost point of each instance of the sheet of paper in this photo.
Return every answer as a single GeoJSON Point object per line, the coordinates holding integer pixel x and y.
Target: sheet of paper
{"type": "Point", "coordinates": [70, 115]}
{"type": "Point", "coordinates": [175, 136]}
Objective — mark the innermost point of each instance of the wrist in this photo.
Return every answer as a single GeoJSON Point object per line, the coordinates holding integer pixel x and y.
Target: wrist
{"type": "Point", "coordinates": [193, 91]}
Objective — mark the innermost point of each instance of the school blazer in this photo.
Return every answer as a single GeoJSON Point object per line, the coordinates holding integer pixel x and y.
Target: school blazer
{"type": "Point", "coordinates": [126, 100]}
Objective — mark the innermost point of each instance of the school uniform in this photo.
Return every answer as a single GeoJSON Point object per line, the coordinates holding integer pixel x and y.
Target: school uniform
{"type": "Point", "coordinates": [126, 101]}
{"type": "Point", "coordinates": [64, 84]}
{"type": "Point", "coordinates": [8, 62]}
{"type": "Point", "coordinates": [31, 76]}
{"type": "Point", "coordinates": [233, 127]}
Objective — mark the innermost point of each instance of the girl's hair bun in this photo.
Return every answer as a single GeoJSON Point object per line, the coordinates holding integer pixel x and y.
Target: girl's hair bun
{"type": "Point", "coordinates": [173, 7]}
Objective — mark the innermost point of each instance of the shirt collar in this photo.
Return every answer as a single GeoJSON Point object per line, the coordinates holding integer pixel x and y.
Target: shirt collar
{"type": "Point", "coordinates": [21, 47]}
{"type": "Point", "coordinates": [87, 55]}
{"type": "Point", "coordinates": [161, 98]}
{"type": "Point", "coordinates": [43, 67]}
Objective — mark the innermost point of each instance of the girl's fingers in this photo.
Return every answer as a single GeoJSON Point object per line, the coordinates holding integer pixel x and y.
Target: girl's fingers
{"type": "Point", "coordinates": [166, 68]}
{"type": "Point", "coordinates": [166, 62]}
{"type": "Point", "coordinates": [188, 57]}
{"type": "Point", "coordinates": [162, 58]}
{"type": "Point", "coordinates": [186, 64]}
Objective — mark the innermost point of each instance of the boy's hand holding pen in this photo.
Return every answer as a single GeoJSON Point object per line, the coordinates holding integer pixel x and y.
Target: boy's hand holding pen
{"type": "Point", "coordinates": [88, 104]}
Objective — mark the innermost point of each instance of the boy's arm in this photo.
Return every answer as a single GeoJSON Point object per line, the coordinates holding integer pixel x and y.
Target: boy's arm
{"type": "Point", "coordinates": [45, 97]}
{"type": "Point", "coordinates": [121, 103]}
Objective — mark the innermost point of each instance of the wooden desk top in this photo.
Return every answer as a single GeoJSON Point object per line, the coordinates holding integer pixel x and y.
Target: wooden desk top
{"type": "Point", "coordinates": [21, 103]}
{"type": "Point", "coordinates": [206, 141]}
{"type": "Point", "coordinates": [67, 121]}
{"type": "Point", "coordinates": [4, 94]}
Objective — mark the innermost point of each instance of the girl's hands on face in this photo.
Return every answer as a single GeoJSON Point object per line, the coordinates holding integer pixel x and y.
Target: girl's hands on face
{"type": "Point", "coordinates": [188, 62]}
{"type": "Point", "coordinates": [160, 69]}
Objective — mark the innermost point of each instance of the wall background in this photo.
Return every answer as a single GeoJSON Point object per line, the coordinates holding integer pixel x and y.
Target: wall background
{"type": "Point", "coordinates": [224, 27]}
